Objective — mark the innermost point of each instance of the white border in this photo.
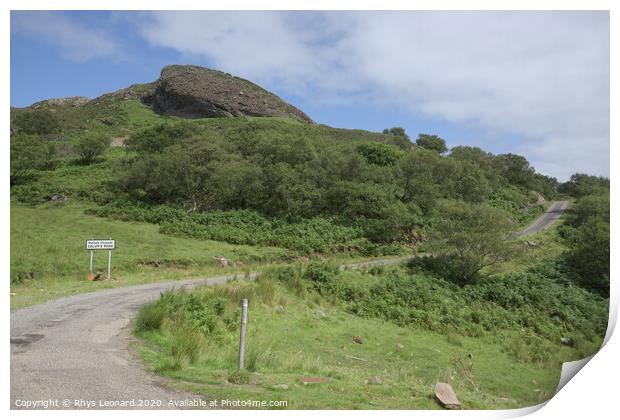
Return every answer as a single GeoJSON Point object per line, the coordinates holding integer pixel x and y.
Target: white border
{"type": "Point", "coordinates": [592, 393]}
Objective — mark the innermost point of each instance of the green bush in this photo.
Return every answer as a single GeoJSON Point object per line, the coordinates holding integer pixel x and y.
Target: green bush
{"type": "Point", "coordinates": [468, 238]}
{"type": "Point", "coordinates": [150, 317]}
{"type": "Point", "coordinates": [29, 153]}
{"type": "Point", "coordinates": [540, 301]}
{"type": "Point", "coordinates": [157, 138]}
{"type": "Point", "coordinates": [380, 154]}
{"type": "Point", "coordinates": [186, 344]}
{"type": "Point", "coordinates": [307, 236]}
{"type": "Point", "coordinates": [432, 142]}
{"type": "Point", "coordinates": [39, 122]}
{"type": "Point", "coordinates": [321, 274]}
{"type": "Point", "coordinates": [90, 146]}
{"type": "Point", "coordinates": [587, 234]}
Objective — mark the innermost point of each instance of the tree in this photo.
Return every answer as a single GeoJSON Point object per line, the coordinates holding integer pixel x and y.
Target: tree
{"type": "Point", "coordinates": [400, 137]}
{"type": "Point", "coordinates": [462, 180]}
{"type": "Point", "coordinates": [432, 142]}
{"type": "Point", "coordinates": [416, 178]}
{"type": "Point", "coordinates": [517, 170]}
{"type": "Point", "coordinates": [91, 146]}
{"type": "Point", "coordinates": [157, 138]}
{"type": "Point", "coordinates": [29, 152]}
{"type": "Point", "coordinates": [379, 154]}
{"type": "Point", "coordinates": [485, 161]}
{"type": "Point", "coordinates": [40, 122]}
{"type": "Point", "coordinates": [588, 255]}
{"type": "Point", "coordinates": [468, 238]}
{"type": "Point", "coordinates": [396, 131]}
{"type": "Point", "coordinates": [587, 235]}
{"type": "Point", "coordinates": [588, 208]}
{"type": "Point", "coordinates": [581, 185]}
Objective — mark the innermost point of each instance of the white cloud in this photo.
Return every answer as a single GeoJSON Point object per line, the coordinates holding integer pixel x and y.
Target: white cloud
{"type": "Point", "coordinates": [77, 42]}
{"type": "Point", "coordinates": [543, 76]}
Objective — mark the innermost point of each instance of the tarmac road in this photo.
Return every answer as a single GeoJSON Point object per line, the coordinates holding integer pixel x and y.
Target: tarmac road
{"type": "Point", "coordinates": [75, 353]}
{"type": "Point", "coordinates": [553, 213]}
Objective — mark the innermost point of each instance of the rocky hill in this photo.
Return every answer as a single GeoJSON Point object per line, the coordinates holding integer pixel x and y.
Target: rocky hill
{"type": "Point", "coordinates": [198, 92]}
{"type": "Point", "coordinates": [194, 92]}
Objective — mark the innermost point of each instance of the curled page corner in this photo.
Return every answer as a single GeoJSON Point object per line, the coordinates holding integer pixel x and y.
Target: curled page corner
{"type": "Point", "coordinates": [569, 370]}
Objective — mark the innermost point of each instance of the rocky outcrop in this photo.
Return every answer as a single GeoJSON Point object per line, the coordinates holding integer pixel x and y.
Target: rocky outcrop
{"type": "Point", "coordinates": [70, 101]}
{"type": "Point", "coordinates": [193, 92]}
{"type": "Point", "coordinates": [198, 92]}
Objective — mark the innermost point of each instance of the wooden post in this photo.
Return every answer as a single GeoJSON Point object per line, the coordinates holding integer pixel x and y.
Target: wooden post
{"type": "Point", "coordinates": [244, 322]}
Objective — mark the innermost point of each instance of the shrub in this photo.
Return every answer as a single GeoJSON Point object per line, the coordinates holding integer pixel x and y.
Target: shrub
{"type": "Point", "coordinates": [91, 146]}
{"type": "Point", "coordinates": [186, 344]}
{"type": "Point", "coordinates": [291, 278]}
{"type": "Point", "coordinates": [150, 317]}
{"type": "Point", "coordinates": [239, 377]}
{"type": "Point", "coordinates": [380, 154]}
{"type": "Point", "coordinates": [29, 153]}
{"type": "Point", "coordinates": [321, 274]}
{"type": "Point", "coordinates": [468, 238]}
{"type": "Point", "coordinates": [588, 256]}
{"type": "Point", "coordinates": [587, 234]}
{"type": "Point", "coordinates": [157, 138]}
{"type": "Point", "coordinates": [39, 122]}
{"type": "Point", "coordinates": [432, 142]}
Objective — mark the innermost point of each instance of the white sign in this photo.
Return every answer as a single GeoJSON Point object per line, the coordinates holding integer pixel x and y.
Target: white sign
{"type": "Point", "coordinates": [95, 244]}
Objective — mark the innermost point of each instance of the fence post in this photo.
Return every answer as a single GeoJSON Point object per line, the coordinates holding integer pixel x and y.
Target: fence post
{"type": "Point", "coordinates": [244, 322]}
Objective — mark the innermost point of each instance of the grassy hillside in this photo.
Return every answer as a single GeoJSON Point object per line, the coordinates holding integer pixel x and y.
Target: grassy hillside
{"type": "Point", "coordinates": [302, 322]}
{"type": "Point", "coordinates": [49, 259]}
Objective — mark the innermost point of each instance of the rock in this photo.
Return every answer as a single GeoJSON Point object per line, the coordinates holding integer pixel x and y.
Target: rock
{"type": "Point", "coordinates": [357, 339]}
{"type": "Point", "coordinates": [446, 396]}
{"type": "Point", "coordinates": [199, 92]}
{"type": "Point", "coordinates": [400, 346]}
{"type": "Point", "coordinates": [306, 380]}
{"type": "Point", "coordinates": [222, 262]}
{"type": "Point", "coordinates": [319, 314]}
{"type": "Point", "coordinates": [58, 197]}
{"type": "Point", "coordinates": [280, 386]}
{"type": "Point", "coordinates": [539, 198]}
{"type": "Point", "coordinates": [531, 244]}
{"type": "Point", "coordinates": [567, 341]}
{"type": "Point", "coordinates": [55, 102]}
{"type": "Point", "coordinates": [374, 380]}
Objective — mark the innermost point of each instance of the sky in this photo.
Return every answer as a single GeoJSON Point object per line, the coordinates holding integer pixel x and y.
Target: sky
{"type": "Point", "coordinates": [535, 83]}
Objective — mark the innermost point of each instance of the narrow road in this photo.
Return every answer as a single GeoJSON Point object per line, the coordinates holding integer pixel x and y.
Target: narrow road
{"type": "Point", "coordinates": [545, 221]}
{"type": "Point", "coordinates": [75, 352]}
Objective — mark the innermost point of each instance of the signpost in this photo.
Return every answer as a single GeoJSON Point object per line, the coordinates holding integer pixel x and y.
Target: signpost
{"type": "Point", "coordinates": [101, 245]}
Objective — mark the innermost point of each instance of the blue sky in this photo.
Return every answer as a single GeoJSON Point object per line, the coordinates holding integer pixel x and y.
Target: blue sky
{"type": "Point", "coordinates": [533, 83]}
